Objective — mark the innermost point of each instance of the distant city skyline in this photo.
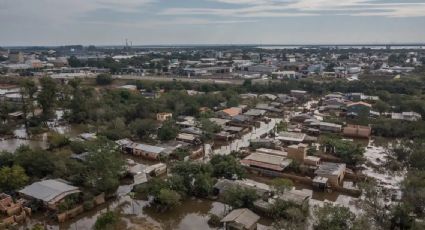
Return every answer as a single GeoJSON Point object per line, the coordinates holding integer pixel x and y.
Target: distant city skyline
{"type": "Point", "coordinates": [176, 22]}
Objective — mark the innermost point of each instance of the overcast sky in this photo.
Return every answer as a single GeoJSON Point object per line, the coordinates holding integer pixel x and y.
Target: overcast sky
{"type": "Point", "coordinates": [149, 22]}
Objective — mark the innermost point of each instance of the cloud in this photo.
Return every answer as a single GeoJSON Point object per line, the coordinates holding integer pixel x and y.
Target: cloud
{"type": "Point", "coordinates": [294, 8]}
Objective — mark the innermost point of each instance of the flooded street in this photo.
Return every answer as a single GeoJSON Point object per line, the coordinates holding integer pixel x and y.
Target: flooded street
{"type": "Point", "coordinates": [237, 144]}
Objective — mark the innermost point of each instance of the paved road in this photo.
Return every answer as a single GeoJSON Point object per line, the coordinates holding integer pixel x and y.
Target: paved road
{"type": "Point", "coordinates": [184, 79]}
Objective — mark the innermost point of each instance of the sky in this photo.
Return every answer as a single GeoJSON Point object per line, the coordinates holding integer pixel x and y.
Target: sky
{"type": "Point", "coordinates": [171, 22]}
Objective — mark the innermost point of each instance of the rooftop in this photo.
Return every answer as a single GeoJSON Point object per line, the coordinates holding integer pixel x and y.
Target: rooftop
{"type": "Point", "coordinates": [49, 190]}
{"type": "Point", "coordinates": [330, 169]}
{"type": "Point", "coordinates": [244, 217]}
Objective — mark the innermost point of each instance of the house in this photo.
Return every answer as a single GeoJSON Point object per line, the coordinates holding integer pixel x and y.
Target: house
{"type": "Point", "coordinates": [229, 112]}
{"type": "Point", "coordinates": [248, 96]}
{"type": "Point", "coordinates": [156, 169]}
{"type": "Point", "coordinates": [300, 94]}
{"type": "Point", "coordinates": [285, 99]}
{"type": "Point", "coordinates": [359, 108]}
{"type": "Point", "coordinates": [330, 127]}
{"type": "Point", "coordinates": [272, 152]}
{"type": "Point", "coordinates": [241, 119]}
{"type": "Point", "coordinates": [268, 96]}
{"type": "Point", "coordinates": [320, 183]}
{"type": "Point", "coordinates": [50, 192]}
{"type": "Point", "coordinates": [357, 131]}
{"type": "Point", "coordinates": [219, 121]}
{"type": "Point", "coordinates": [291, 137]}
{"type": "Point", "coordinates": [163, 116]}
{"type": "Point", "coordinates": [188, 138]}
{"type": "Point", "coordinates": [266, 161]}
{"type": "Point", "coordinates": [334, 172]}
{"type": "Point", "coordinates": [240, 219]}
{"type": "Point", "coordinates": [298, 197]}
{"type": "Point", "coordinates": [297, 152]}
{"type": "Point", "coordinates": [406, 116]}
{"type": "Point", "coordinates": [150, 152]}
{"type": "Point", "coordinates": [137, 171]}
{"type": "Point", "coordinates": [186, 121]}
{"type": "Point", "coordinates": [222, 185]}
{"type": "Point", "coordinates": [255, 113]}
{"type": "Point", "coordinates": [225, 136]}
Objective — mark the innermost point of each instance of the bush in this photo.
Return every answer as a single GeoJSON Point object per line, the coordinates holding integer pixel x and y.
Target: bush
{"type": "Point", "coordinates": [104, 79]}
{"type": "Point", "coordinates": [58, 140]}
{"type": "Point", "coordinates": [88, 205]}
{"type": "Point", "coordinates": [214, 221]}
{"type": "Point", "coordinates": [106, 221]}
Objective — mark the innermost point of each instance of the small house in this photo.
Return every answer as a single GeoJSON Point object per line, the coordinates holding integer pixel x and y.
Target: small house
{"type": "Point", "coordinates": [163, 116]}
{"type": "Point", "coordinates": [240, 219]}
{"type": "Point", "coordinates": [334, 172]}
{"type": "Point", "coordinates": [269, 162]}
{"type": "Point", "coordinates": [50, 192]}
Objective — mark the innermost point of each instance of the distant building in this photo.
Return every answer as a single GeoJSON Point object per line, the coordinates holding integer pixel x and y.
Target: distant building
{"type": "Point", "coordinates": [406, 116]}
{"type": "Point", "coordinates": [16, 57]}
{"type": "Point", "coordinates": [300, 94]}
{"type": "Point", "coordinates": [357, 131]}
{"type": "Point", "coordinates": [163, 116]}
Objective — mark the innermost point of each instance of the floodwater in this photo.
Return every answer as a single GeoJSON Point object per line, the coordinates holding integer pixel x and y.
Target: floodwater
{"type": "Point", "coordinates": [137, 214]}
{"type": "Point", "coordinates": [38, 141]}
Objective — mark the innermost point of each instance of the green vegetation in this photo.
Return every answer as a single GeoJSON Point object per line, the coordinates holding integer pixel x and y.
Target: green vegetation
{"type": "Point", "coordinates": [104, 79]}
{"type": "Point", "coordinates": [107, 221]}
{"type": "Point", "coordinates": [12, 178]}
{"type": "Point", "coordinates": [239, 197]}
{"type": "Point", "coordinates": [350, 152]}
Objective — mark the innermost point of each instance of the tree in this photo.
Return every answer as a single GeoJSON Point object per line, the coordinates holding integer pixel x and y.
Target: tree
{"type": "Point", "coordinates": [239, 197]}
{"type": "Point", "coordinates": [227, 166]}
{"type": "Point", "coordinates": [36, 162]}
{"type": "Point", "coordinates": [168, 131]}
{"type": "Point", "coordinates": [104, 166]}
{"type": "Point", "coordinates": [104, 79]}
{"type": "Point", "coordinates": [142, 127]}
{"type": "Point", "coordinates": [281, 185]}
{"type": "Point", "coordinates": [190, 172]}
{"type": "Point", "coordinates": [47, 96]}
{"type": "Point", "coordinates": [382, 106]}
{"type": "Point", "coordinates": [107, 221]}
{"type": "Point", "coordinates": [331, 217]}
{"type": "Point", "coordinates": [29, 89]}
{"type": "Point", "coordinates": [351, 153]}
{"type": "Point", "coordinates": [208, 129]}
{"type": "Point", "coordinates": [203, 185]}
{"type": "Point", "coordinates": [58, 140]}
{"type": "Point", "coordinates": [167, 199]}
{"type": "Point", "coordinates": [12, 178]}
{"type": "Point", "coordinates": [74, 62]}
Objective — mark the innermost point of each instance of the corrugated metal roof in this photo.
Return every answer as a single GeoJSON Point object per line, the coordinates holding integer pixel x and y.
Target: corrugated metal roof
{"type": "Point", "coordinates": [243, 216]}
{"type": "Point", "coordinates": [48, 190]}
